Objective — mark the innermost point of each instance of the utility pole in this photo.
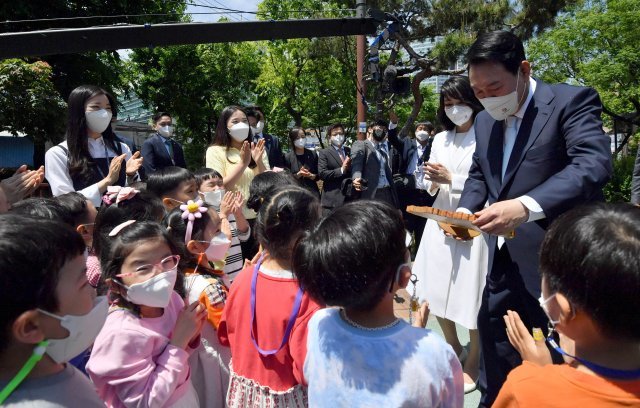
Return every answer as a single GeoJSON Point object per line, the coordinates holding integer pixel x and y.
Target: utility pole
{"type": "Point", "coordinates": [360, 87]}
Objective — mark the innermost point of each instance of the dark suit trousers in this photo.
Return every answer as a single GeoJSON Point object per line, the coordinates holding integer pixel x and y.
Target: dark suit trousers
{"type": "Point", "coordinates": [385, 194]}
{"type": "Point", "coordinates": [504, 291]}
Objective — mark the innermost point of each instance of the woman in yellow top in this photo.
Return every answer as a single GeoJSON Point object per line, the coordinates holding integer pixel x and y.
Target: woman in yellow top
{"type": "Point", "coordinates": [237, 159]}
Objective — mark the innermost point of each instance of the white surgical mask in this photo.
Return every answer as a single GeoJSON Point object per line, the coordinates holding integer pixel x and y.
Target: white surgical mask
{"type": "Point", "coordinates": [239, 132]}
{"type": "Point", "coordinates": [337, 140]}
{"type": "Point", "coordinates": [300, 143]}
{"type": "Point", "coordinates": [166, 131]}
{"type": "Point", "coordinates": [459, 114]}
{"type": "Point", "coordinates": [422, 135]}
{"type": "Point", "coordinates": [154, 292]}
{"type": "Point", "coordinates": [218, 248]}
{"type": "Point", "coordinates": [214, 198]}
{"type": "Point", "coordinates": [259, 127]}
{"type": "Point", "coordinates": [83, 331]}
{"type": "Point", "coordinates": [501, 107]}
{"type": "Point", "coordinates": [99, 120]}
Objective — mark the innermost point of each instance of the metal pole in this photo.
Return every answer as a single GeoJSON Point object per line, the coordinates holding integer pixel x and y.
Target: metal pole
{"type": "Point", "coordinates": [361, 86]}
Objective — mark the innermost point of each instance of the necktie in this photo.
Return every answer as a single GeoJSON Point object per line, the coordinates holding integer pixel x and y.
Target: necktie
{"type": "Point", "coordinates": [509, 141]}
{"type": "Point", "coordinates": [169, 148]}
{"type": "Point", "coordinates": [341, 153]}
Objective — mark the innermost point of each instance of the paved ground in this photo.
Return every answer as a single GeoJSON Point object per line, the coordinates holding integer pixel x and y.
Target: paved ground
{"type": "Point", "coordinates": [472, 399]}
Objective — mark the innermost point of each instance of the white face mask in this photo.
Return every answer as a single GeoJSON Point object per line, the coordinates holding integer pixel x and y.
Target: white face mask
{"type": "Point", "coordinates": [337, 140]}
{"type": "Point", "coordinates": [422, 135]}
{"type": "Point", "coordinates": [214, 198]}
{"type": "Point", "coordinates": [459, 114]}
{"type": "Point", "coordinates": [258, 129]}
{"type": "Point", "coordinates": [218, 248]}
{"type": "Point", "coordinates": [501, 107]}
{"type": "Point", "coordinates": [154, 292]}
{"type": "Point", "coordinates": [239, 132]}
{"type": "Point", "coordinates": [99, 120]}
{"type": "Point", "coordinates": [83, 331]}
{"type": "Point", "coordinates": [166, 131]}
{"type": "Point", "coordinates": [300, 143]}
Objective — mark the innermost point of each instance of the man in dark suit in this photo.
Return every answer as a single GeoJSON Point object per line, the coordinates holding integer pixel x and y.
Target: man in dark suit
{"type": "Point", "coordinates": [540, 150]}
{"type": "Point", "coordinates": [160, 150]}
{"type": "Point", "coordinates": [257, 121]}
{"type": "Point", "coordinates": [375, 160]}
{"type": "Point", "coordinates": [635, 181]}
{"type": "Point", "coordinates": [334, 165]}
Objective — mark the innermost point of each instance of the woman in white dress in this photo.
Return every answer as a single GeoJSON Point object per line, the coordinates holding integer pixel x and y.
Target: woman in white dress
{"type": "Point", "coordinates": [451, 273]}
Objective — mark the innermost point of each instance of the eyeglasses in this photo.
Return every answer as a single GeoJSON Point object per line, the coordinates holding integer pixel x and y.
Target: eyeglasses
{"type": "Point", "coordinates": [147, 270]}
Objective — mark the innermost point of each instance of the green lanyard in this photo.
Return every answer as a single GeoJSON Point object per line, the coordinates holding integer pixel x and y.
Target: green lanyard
{"type": "Point", "coordinates": [38, 352]}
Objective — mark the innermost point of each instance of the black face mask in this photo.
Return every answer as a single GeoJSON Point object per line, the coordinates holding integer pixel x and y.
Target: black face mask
{"type": "Point", "coordinates": [379, 134]}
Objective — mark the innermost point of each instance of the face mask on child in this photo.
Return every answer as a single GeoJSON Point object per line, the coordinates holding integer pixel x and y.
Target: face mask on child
{"type": "Point", "coordinates": [83, 331]}
{"type": "Point", "coordinates": [218, 248]}
{"type": "Point", "coordinates": [154, 292]}
{"type": "Point", "coordinates": [214, 198]}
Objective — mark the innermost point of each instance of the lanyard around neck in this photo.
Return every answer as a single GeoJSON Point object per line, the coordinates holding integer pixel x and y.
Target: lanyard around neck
{"type": "Point", "coordinates": [36, 356]}
{"type": "Point", "coordinates": [292, 316]}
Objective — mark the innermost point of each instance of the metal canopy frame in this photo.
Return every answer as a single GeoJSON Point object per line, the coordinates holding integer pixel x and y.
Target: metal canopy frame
{"type": "Point", "coordinates": [79, 40]}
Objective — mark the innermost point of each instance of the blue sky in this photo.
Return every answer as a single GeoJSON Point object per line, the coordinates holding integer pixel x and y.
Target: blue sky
{"type": "Point", "coordinates": [244, 5]}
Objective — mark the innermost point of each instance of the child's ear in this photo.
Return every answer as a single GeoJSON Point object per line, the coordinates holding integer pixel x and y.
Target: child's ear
{"type": "Point", "coordinates": [27, 328]}
{"type": "Point", "coordinates": [170, 203]}
{"type": "Point", "coordinates": [404, 276]}
{"type": "Point", "coordinates": [196, 247]}
{"type": "Point", "coordinates": [113, 287]}
{"type": "Point", "coordinates": [566, 310]}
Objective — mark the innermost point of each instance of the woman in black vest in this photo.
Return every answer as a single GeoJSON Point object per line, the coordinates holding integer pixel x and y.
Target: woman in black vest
{"type": "Point", "coordinates": [302, 162]}
{"type": "Point", "coordinates": [90, 159]}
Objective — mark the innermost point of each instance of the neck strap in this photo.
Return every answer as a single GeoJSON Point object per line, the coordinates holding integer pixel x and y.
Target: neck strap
{"type": "Point", "coordinates": [38, 352]}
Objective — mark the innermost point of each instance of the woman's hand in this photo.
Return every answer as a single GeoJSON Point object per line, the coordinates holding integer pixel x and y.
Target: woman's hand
{"type": "Point", "coordinates": [22, 184]}
{"type": "Point", "coordinates": [114, 169]}
{"type": "Point", "coordinates": [245, 153]}
{"type": "Point", "coordinates": [257, 149]}
{"type": "Point", "coordinates": [535, 351]}
{"type": "Point", "coordinates": [437, 172]}
{"type": "Point", "coordinates": [134, 164]}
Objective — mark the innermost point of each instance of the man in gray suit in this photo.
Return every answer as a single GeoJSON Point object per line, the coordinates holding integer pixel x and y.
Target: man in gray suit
{"type": "Point", "coordinates": [635, 182]}
{"type": "Point", "coordinates": [372, 161]}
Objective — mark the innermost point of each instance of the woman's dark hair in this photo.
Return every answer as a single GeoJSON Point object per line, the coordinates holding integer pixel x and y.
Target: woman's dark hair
{"type": "Point", "coordinates": [43, 208]}
{"type": "Point", "coordinates": [177, 228]}
{"type": "Point", "coordinates": [501, 46]}
{"type": "Point", "coordinates": [158, 115]}
{"type": "Point", "coordinates": [205, 173]}
{"type": "Point", "coordinates": [75, 205]}
{"type": "Point", "coordinates": [286, 214]}
{"type": "Point", "coordinates": [32, 252]}
{"type": "Point", "coordinates": [591, 255]}
{"type": "Point", "coordinates": [222, 136]}
{"type": "Point", "coordinates": [350, 258]}
{"type": "Point", "coordinates": [263, 183]}
{"type": "Point", "coordinates": [457, 87]}
{"type": "Point", "coordinates": [293, 135]}
{"type": "Point", "coordinates": [121, 247]}
{"type": "Point", "coordinates": [80, 160]}
{"type": "Point", "coordinates": [163, 181]}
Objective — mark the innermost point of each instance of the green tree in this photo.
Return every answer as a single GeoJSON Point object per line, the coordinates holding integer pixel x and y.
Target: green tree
{"type": "Point", "coordinates": [30, 104]}
{"type": "Point", "coordinates": [596, 45]}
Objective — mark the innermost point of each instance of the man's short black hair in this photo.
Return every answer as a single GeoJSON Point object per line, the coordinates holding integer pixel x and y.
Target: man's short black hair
{"type": "Point", "coordinates": [350, 258]}
{"type": "Point", "coordinates": [159, 115]}
{"type": "Point", "coordinates": [592, 256]}
{"type": "Point", "coordinates": [254, 112]}
{"type": "Point", "coordinates": [497, 46]}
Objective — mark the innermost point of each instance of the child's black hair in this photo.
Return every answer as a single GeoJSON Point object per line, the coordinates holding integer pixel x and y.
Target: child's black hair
{"type": "Point", "coordinates": [263, 183]}
{"type": "Point", "coordinates": [163, 181]}
{"type": "Point", "coordinates": [75, 205]}
{"type": "Point", "coordinates": [32, 252]}
{"type": "Point", "coordinates": [591, 255]}
{"type": "Point", "coordinates": [121, 247]}
{"type": "Point", "coordinates": [286, 214]}
{"type": "Point", "coordinates": [351, 257]}
{"type": "Point", "coordinates": [205, 173]}
{"type": "Point", "coordinates": [43, 208]}
{"type": "Point", "coordinates": [176, 226]}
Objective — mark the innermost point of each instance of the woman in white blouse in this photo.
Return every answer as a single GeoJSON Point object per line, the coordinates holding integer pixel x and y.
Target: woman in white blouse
{"type": "Point", "coordinates": [91, 158]}
{"type": "Point", "coordinates": [451, 273]}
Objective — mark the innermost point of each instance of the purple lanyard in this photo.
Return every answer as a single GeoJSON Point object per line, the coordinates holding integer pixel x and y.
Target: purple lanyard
{"type": "Point", "coordinates": [292, 316]}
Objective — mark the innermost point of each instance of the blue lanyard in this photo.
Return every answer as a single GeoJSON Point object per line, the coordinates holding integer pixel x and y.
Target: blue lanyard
{"type": "Point", "coordinates": [597, 368]}
{"type": "Point", "coordinates": [292, 316]}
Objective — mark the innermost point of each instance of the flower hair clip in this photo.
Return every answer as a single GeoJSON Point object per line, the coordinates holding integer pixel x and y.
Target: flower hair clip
{"type": "Point", "coordinates": [190, 211]}
{"type": "Point", "coordinates": [116, 194]}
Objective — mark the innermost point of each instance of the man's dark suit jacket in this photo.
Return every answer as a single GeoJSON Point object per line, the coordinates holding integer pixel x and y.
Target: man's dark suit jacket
{"type": "Point", "coordinates": [561, 158]}
{"type": "Point", "coordinates": [406, 148]}
{"type": "Point", "coordinates": [329, 170]}
{"type": "Point", "coordinates": [365, 164]}
{"type": "Point", "coordinates": [274, 151]}
{"type": "Point", "coordinates": [157, 157]}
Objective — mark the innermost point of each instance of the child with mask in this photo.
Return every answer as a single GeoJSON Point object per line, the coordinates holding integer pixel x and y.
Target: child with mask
{"type": "Point", "coordinates": [265, 318]}
{"type": "Point", "coordinates": [361, 352]}
{"type": "Point", "coordinates": [229, 206]}
{"type": "Point", "coordinates": [590, 284]}
{"type": "Point", "coordinates": [90, 159]}
{"type": "Point", "coordinates": [140, 358]}
{"type": "Point", "coordinates": [49, 314]}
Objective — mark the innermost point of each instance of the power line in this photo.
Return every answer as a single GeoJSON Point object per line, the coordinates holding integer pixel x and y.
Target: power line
{"type": "Point", "coordinates": [43, 20]}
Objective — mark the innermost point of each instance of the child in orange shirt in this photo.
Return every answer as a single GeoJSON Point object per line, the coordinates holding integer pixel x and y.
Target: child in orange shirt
{"type": "Point", "coordinates": [591, 293]}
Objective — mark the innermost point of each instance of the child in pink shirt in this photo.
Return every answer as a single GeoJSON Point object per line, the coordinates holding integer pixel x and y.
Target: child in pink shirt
{"type": "Point", "coordinates": [140, 358]}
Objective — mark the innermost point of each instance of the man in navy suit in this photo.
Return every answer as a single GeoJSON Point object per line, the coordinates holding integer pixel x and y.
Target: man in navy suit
{"type": "Point", "coordinates": [540, 150]}
{"type": "Point", "coordinates": [256, 119]}
{"type": "Point", "coordinates": [160, 150]}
